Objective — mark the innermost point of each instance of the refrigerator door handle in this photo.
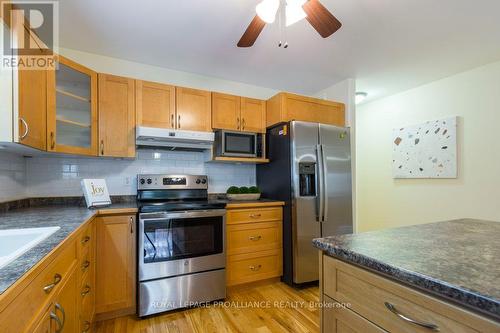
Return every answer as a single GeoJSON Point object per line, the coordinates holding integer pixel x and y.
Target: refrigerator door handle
{"type": "Point", "coordinates": [324, 186]}
{"type": "Point", "coordinates": [320, 204]}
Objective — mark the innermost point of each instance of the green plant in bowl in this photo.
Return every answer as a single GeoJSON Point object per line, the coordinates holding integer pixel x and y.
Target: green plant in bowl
{"type": "Point", "coordinates": [254, 189]}
{"type": "Point", "coordinates": [244, 190]}
{"type": "Point", "coordinates": [233, 190]}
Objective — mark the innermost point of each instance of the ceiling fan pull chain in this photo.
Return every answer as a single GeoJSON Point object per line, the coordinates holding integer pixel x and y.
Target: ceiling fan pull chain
{"type": "Point", "coordinates": [280, 27]}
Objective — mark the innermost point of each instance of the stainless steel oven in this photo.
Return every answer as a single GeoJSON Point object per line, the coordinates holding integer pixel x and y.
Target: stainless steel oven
{"type": "Point", "coordinates": [181, 245]}
{"type": "Point", "coordinates": [238, 144]}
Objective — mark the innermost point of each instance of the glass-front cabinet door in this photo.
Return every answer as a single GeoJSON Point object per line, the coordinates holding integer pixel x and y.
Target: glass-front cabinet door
{"type": "Point", "coordinates": [72, 109]}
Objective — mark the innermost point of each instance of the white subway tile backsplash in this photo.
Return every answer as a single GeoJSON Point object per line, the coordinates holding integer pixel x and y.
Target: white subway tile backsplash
{"type": "Point", "coordinates": [60, 176]}
{"type": "Point", "coordinates": [12, 177]}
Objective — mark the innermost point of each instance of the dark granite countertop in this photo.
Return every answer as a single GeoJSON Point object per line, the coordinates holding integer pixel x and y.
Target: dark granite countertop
{"type": "Point", "coordinates": [67, 217]}
{"type": "Point", "coordinates": [458, 260]}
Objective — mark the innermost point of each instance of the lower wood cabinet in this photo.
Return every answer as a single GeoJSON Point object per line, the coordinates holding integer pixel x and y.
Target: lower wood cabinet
{"type": "Point", "coordinates": [366, 296]}
{"type": "Point", "coordinates": [116, 265]}
{"type": "Point", "coordinates": [254, 244]}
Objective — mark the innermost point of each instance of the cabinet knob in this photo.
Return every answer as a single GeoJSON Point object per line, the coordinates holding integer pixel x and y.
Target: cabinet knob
{"type": "Point", "coordinates": [255, 238]}
{"type": "Point", "coordinates": [85, 265]}
{"type": "Point", "coordinates": [85, 239]}
{"type": "Point", "coordinates": [255, 216]}
{"type": "Point", "coordinates": [255, 268]}
{"type": "Point", "coordinates": [85, 290]}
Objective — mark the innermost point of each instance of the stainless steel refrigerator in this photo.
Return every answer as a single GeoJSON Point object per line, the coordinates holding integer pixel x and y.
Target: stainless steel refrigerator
{"type": "Point", "coordinates": [310, 170]}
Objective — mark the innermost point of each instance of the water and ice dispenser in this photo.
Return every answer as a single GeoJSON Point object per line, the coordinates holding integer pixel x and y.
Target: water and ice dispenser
{"type": "Point", "coordinates": [307, 179]}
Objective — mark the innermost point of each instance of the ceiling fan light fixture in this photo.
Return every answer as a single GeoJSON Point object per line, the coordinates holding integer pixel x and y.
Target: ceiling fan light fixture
{"type": "Point", "coordinates": [267, 10]}
{"type": "Point", "coordinates": [294, 12]}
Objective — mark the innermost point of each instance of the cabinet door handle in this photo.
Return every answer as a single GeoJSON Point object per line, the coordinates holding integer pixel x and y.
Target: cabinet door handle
{"type": "Point", "coordinates": [179, 121]}
{"type": "Point", "coordinates": [255, 216]}
{"type": "Point", "coordinates": [255, 238]}
{"type": "Point", "coordinates": [243, 124]}
{"type": "Point", "coordinates": [102, 147]}
{"type": "Point", "coordinates": [85, 290]}
{"type": "Point", "coordinates": [26, 128]}
{"type": "Point", "coordinates": [393, 309]}
{"type": "Point", "coordinates": [85, 240]}
{"type": "Point", "coordinates": [255, 268]}
{"type": "Point", "coordinates": [172, 120]}
{"type": "Point", "coordinates": [52, 141]}
{"type": "Point", "coordinates": [60, 308]}
{"type": "Point", "coordinates": [131, 225]}
{"type": "Point", "coordinates": [57, 278]}
{"type": "Point", "coordinates": [85, 265]}
{"type": "Point", "coordinates": [238, 123]}
{"type": "Point", "coordinates": [58, 322]}
{"type": "Point", "coordinates": [86, 326]}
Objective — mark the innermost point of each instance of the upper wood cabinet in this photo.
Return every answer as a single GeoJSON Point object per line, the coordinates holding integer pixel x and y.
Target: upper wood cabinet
{"type": "Point", "coordinates": [193, 109]}
{"type": "Point", "coordinates": [238, 113]}
{"type": "Point", "coordinates": [225, 111]}
{"type": "Point", "coordinates": [155, 104]}
{"type": "Point", "coordinates": [253, 115]}
{"type": "Point", "coordinates": [285, 107]}
{"type": "Point", "coordinates": [72, 109]}
{"type": "Point", "coordinates": [116, 264]}
{"type": "Point", "coordinates": [116, 116]}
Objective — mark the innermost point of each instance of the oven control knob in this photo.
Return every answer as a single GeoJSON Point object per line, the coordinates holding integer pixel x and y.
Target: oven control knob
{"type": "Point", "coordinates": [142, 181]}
{"type": "Point", "coordinates": [149, 181]}
{"type": "Point", "coordinates": [203, 181]}
{"type": "Point", "coordinates": [198, 181]}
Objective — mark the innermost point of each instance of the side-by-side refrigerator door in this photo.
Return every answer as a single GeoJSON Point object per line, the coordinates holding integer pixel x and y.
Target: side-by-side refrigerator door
{"type": "Point", "coordinates": [336, 162]}
{"type": "Point", "coordinates": [305, 224]}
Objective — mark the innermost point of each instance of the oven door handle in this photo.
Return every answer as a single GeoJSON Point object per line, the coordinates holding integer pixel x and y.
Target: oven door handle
{"type": "Point", "coordinates": [182, 215]}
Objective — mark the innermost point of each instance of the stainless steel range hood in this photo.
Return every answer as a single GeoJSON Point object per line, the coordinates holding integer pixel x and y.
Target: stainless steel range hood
{"type": "Point", "coordinates": [174, 139]}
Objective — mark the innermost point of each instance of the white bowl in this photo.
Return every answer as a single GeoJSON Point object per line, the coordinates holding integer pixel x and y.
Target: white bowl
{"type": "Point", "coordinates": [244, 197]}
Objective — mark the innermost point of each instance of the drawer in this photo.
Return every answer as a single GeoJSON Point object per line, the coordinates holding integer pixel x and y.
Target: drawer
{"type": "Point", "coordinates": [32, 299]}
{"type": "Point", "coordinates": [253, 237]}
{"type": "Point", "coordinates": [86, 238]}
{"type": "Point", "coordinates": [385, 302]}
{"type": "Point", "coordinates": [244, 268]}
{"type": "Point", "coordinates": [235, 216]}
{"type": "Point", "coordinates": [338, 319]}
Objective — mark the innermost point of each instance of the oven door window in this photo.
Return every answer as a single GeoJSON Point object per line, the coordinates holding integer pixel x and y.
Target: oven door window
{"type": "Point", "coordinates": [180, 238]}
{"type": "Point", "coordinates": [236, 143]}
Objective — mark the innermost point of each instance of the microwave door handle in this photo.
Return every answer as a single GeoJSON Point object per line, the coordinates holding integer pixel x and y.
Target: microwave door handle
{"type": "Point", "coordinates": [319, 185]}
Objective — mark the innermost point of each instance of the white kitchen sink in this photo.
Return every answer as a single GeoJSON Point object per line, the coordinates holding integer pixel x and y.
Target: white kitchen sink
{"type": "Point", "coordinates": [15, 242]}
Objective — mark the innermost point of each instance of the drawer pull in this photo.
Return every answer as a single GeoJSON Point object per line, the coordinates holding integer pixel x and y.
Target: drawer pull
{"type": "Point", "coordinates": [85, 290]}
{"type": "Point", "coordinates": [85, 239]}
{"type": "Point", "coordinates": [255, 268]}
{"type": "Point", "coordinates": [60, 308]}
{"type": "Point", "coordinates": [86, 326]}
{"type": "Point", "coordinates": [255, 216]}
{"type": "Point", "coordinates": [58, 322]}
{"type": "Point", "coordinates": [85, 265]}
{"type": "Point", "coordinates": [393, 309]}
{"type": "Point", "coordinates": [57, 278]}
{"type": "Point", "coordinates": [255, 238]}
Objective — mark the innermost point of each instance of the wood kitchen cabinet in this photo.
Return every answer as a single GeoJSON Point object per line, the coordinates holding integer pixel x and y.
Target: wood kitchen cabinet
{"type": "Point", "coordinates": [238, 113]}
{"type": "Point", "coordinates": [116, 116]}
{"type": "Point", "coordinates": [72, 109]}
{"type": "Point", "coordinates": [193, 109]}
{"type": "Point", "coordinates": [285, 107]}
{"type": "Point", "coordinates": [254, 242]}
{"type": "Point", "coordinates": [155, 104]}
{"type": "Point", "coordinates": [116, 265]}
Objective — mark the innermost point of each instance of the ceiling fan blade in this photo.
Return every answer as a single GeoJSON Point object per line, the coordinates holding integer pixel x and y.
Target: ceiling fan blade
{"type": "Point", "coordinates": [320, 18]}
{"type": "Point", "coordinates": [253, 31]}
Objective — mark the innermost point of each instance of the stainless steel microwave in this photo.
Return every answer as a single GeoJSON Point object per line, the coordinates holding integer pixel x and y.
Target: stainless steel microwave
{"type": "Point", "coordinates": [238, 144]}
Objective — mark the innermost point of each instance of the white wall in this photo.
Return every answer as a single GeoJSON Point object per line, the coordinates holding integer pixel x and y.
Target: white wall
{"type": "Point", "coordinates": [136, 70]}
{"type": "Point", "coordinates": [60, 176]}
{"type": "Point", "coordinates": [384, 202]}
{"type": "Point", "coordinates": [12, 177]}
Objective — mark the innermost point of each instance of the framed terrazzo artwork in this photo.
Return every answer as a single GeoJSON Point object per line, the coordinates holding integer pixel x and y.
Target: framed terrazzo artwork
{"type": "Point", "coordinates": [427, 150]}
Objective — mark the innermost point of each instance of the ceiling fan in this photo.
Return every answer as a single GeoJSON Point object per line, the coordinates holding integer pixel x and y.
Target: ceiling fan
{"type": "Point", "coordinates": [312, 10]}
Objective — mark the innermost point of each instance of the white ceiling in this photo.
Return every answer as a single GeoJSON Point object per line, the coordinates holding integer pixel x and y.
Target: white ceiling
{"type": "Point", "coordinates": [386, 45]}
